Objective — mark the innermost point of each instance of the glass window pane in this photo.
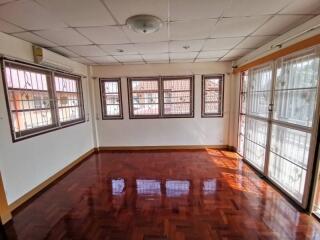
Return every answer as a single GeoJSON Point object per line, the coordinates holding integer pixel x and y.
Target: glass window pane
{"type": "Point", "coordinates": [113, 110]}
{"type": "Point", "coordinates": [111, 98]}
{"type": "Point", "coordinates": [255, 154]}
{"type": "Point", "coordinates": [212, 94]}
{"type": "Point", "coordinates": [177, 85]}
{"type": "Point", "coordinates": [287, 175]}
{"type": "Point", "coordinates": [177, 108]}
{"type": "Point", "coordinates": [144, 85]}
{"type": "Point", "coordinates": [145, 109]}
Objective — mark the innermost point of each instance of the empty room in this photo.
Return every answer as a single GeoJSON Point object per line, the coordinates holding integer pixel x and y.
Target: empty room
{"type": "Point", "coordinates": [159, 119]}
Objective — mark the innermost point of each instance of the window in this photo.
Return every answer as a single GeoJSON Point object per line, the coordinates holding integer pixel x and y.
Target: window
{"type": "Point", "coordinates": [242, 111]}
{"type": "Point", "coordinates": [212, 96]}
{"type": "Point", "coordinates": [144, 97]}
{"type": "Point", "coordinates": [159, 97]}
{"type": "Point", "coordinates": [177, 96]}
{"type": "Point", "coordinates": [35, 104]}
{"type": "Point", "coordinates": [69, 99]}
{"type": "Point", "coordinates": [111, 98]}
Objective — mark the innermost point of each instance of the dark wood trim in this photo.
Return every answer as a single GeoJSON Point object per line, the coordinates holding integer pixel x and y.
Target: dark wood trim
{"type": "Point", "coordinates": [5, 213]}
{"type": "Point", "coordinates": [312, 41]}
{"type": "Point", "coordinates": [212, 115]}
{"type": "Point", "coordinates": [102, 91]}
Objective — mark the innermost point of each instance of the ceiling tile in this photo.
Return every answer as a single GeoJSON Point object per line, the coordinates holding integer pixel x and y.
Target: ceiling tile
{"type": "Point", "coordinates": [129, 58]}
{"type": "Point", "coordinates": [206, 59]}
{"type": "Point", "coordinates": [236, 53]}
{"type": "Point", "coordinates": [255, 41]}
{"type": "Point", "coordinates": [213, 54]}
{"type": "Point", "coordinates": [9, 28]}
{"type": "Point", "coordinates": [79, 13]}
{"type": "Point", "coordinates": [221, 43]}
{"type": "Point", "coordinates": [119, 49]}
{"type": "Point", "coordinates": [82, 60]}
{"type": "Point", "coordinates": [280, 24]}
{"type": "Point", "coordinates": [63, 51]}
{"type": "Point", "coordinates": [188, 30]}
{"type": "Point", "coordinates": [122, 9]}
{"type": "Point", "coordinates": [226, 59]}
{"type": "Point", "coordinates": [303, 7]}
{"type": "Point", "coordinates": [103, 60]}
{"type": "Point", "coordinates": [64, 37]}
{"type": "Point", "coordinates": [200, 9]}
{"type": "Point", "coordinates": [237, 27]}
{"type": "Point", "coordinates": [156, 57]}
{"type": "Point", "coordinates": [161, 35]}
{"type": "Point", "coordinates": [186, 46]}
{"type": "Point", "coordinates": [29, 15]}
{"type": "Point", "coordinates": [157, 47]}
{"type": "Point", "coordinates": [184, 55]}
{"type": "Point", "coordinates": [188, 60]}
{"type": "Point", "coordinates": [87, 51]}
{"type": "Point", "coordinates": [254, 7]}
{"type": "Point", "coordinates": [104, 35]}
{"type": "Point", "coordinates": [30, 37]}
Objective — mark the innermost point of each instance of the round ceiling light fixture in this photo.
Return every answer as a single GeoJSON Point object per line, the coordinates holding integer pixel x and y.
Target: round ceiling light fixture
{"type": "Point", "coordinates": [144, 23]}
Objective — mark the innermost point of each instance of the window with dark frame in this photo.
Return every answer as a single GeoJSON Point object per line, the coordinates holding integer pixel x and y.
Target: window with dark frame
{"type": "Point", "coordinates": [144, 94]}
{"type": "Point", "coordinates": [111, 101]}
{"type": "Point", "coordinates": [36, 103]}
{"type": "Point", "coordinates": [212, 95]}
{"type": "Point", "coordinates": [161, 97]}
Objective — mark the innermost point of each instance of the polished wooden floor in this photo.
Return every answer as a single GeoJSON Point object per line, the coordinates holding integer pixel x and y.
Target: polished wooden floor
{"type": "Point", "coordinates": [161, 195]}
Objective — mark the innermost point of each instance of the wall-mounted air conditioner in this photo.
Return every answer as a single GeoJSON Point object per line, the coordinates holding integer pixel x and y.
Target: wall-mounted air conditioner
{"type": "Point", "coordinates": [50, 59]}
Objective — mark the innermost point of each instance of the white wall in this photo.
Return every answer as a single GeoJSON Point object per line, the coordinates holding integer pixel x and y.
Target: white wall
{"type": "Point", "coordinates": [164, 132]}
{"type": "Point", "coordinates": [27, 163]}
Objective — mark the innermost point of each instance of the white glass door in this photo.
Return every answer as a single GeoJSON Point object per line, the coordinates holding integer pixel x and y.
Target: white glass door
{"type": "Point", "coordinates": [257, 115]}
{"type": "Point", "coordinates": [295, 100]}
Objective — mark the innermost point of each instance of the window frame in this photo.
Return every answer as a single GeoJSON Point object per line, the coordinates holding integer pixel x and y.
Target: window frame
{"type": "Point", "coordinates": [78, 79]}
{"type": "Point", "coordinates": [49, 72]}
{"type": "Point", "coordinates": [170, 78]}
{"type": "Point", "coordinates": [203, 90]}
{"type": "Point", "coordinates": [130, 98]}
{"type": "Point", "coordinates": [160, 80]}
{"type": "Point", "coordinates": [103, 105]}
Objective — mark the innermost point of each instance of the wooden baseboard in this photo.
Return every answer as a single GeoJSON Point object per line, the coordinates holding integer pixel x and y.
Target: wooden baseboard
{"type": "Point", "coordinates": [49, 181]}
{"type": "Point", "coordinates": [5, 213]}
{"type": "Point", "coordinates": [177, 147]}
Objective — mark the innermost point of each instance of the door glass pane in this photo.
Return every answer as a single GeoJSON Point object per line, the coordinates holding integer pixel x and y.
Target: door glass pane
{"type": "Point", "coordinates": [259, 91]}
{"type": "Point", "coordinates": [256, 139]}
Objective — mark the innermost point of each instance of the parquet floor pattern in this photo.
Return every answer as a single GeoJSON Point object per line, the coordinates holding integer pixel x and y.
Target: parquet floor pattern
{"type": "Point", "coordinates": [161, 195]}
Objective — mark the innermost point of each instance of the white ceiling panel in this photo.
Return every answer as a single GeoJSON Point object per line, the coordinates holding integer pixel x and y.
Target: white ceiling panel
{"type": "Point", "coordinates": [254, 7]}
{"type": "Point", "coordinates": [29, 15]}
{"type": "Point", "coordinates": [9, 28]}
{"type": "Point", "coordinates": [82, 60]}
{"type": "Point", "coordinates": [87, 51]}
{"type": "Point", "coordinates": [129, 58]}
{"type": "Point", "coordinates": [157, 47]}
{"type": "Point", "coordinates": [30, 37]}
{"type": "Point", "coordinates": [161, 35]}
{"type": "Point", "coordinates": [103, 60]}
{"type": "Point", "coordinates": [64, 37]}
{"type": "Point", "coordinates": [302, 7]}
{"type": "Point", "coordinates": [221, 43]}
{"type": "Point", "coordinates": [119, 49]}
{"type": "Point", "coordinates": [156, 57]}
{"type": "Point", "coordinates": [237, 27]}
{"type": "Point", "coordinates": [236, 53]}
{"type": "Point", "coordinates": [196, 29]}
{"type": "Point", "coordinates": [186, 46]}
{"type": "Point", "coordinates": [63, 51]}
{"type": "Point", "coordinates": [104, 35]}
{"type": "Point", "coordinates": [255, 41]}
{"type": "Point", "coordinates": [200, 9]}
{"type": "Point", "coordinates": [212, 54]}
{"type": "Point", "coordinates": [280, 24]}
{"type": "Point", "coordinates": [122, 9]}
{"type": "Point", "coordinates": [206, 59]}
{"type": "Point", "coordinates": [79, 13]}
{"type": "Point", "coordinates": [185, 55]}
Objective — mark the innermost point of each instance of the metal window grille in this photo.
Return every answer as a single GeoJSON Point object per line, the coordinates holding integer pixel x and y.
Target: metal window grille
{"type": "Point", "coordinates": [68, 97]}
{"type": "Point", "coordinates": [33, 103]}
{"type": "Point", "coordinates": [212, 96]}
{"type": "Point", "coordinates": [111, 98]}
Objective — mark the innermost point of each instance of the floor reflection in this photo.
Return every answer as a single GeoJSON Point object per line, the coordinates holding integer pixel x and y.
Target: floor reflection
{"type": "Point", "coordinates": [174, 195]}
